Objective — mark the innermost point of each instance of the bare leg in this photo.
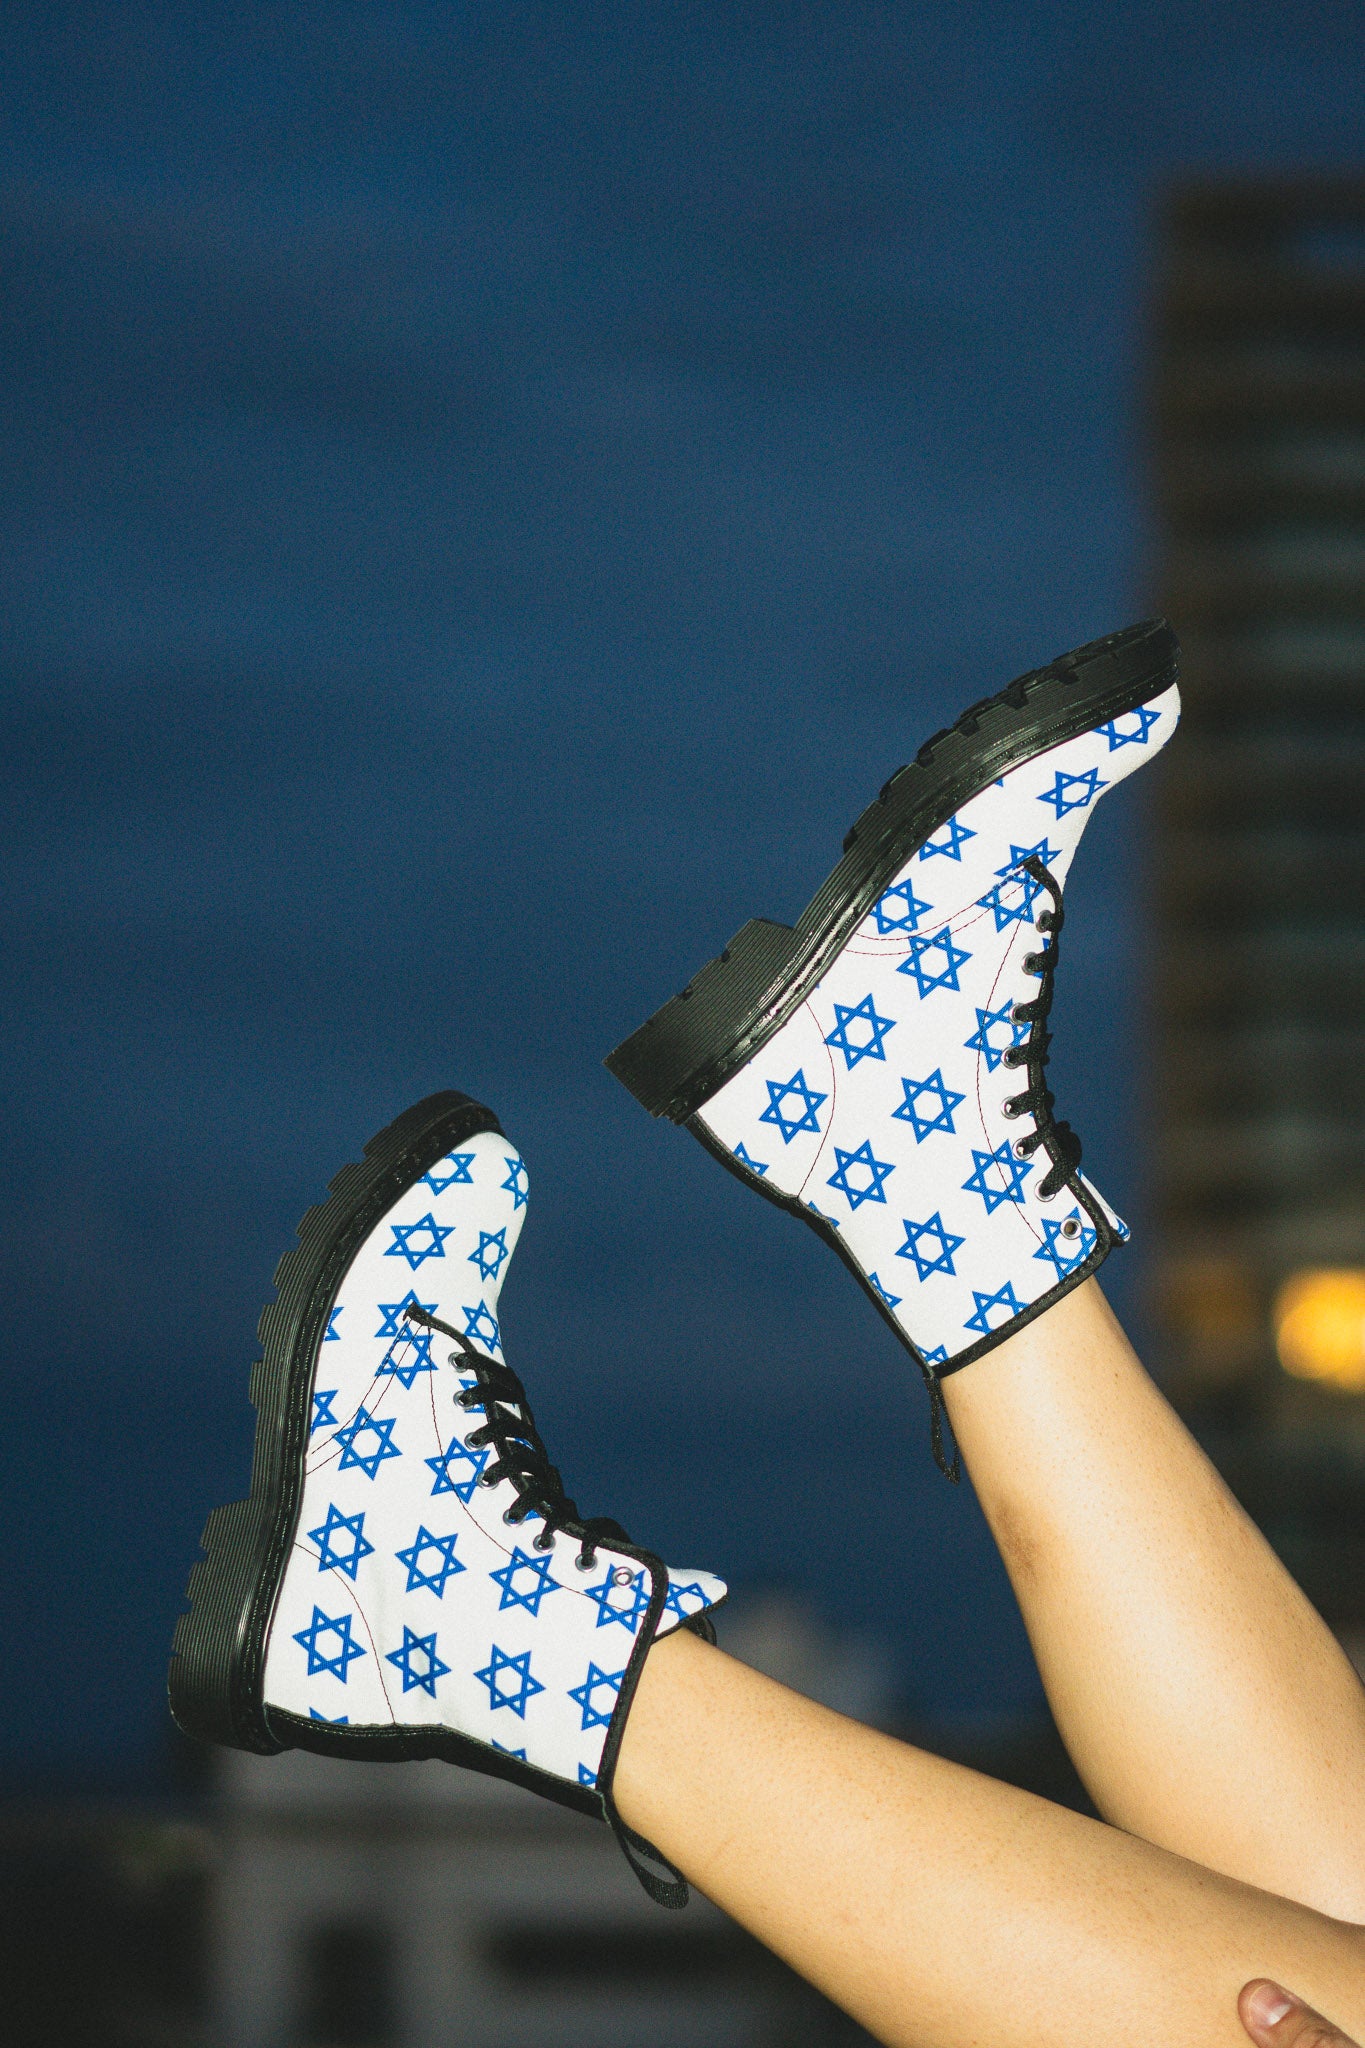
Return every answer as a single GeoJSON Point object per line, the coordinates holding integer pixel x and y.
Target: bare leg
{"type": "Point", "coordinates": [937, 1906]}
{"type": "Point", "coordinates": [1205, 1704]}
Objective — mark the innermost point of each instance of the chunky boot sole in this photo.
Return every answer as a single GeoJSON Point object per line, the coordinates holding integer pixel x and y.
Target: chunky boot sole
{"type": "Point", "coordinates": [218, 1653]}
{"type": "Point", "coordinates": [690, 1048]}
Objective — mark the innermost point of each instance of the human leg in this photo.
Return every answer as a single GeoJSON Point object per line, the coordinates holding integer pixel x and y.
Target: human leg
{"type": "Point", "coordinates": [1204, 1702]}
{"type": "Point", "coordinates": [938, 1906]}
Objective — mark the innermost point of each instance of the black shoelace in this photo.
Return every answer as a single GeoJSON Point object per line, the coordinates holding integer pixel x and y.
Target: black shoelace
{"type": "Point", "coordinates": [1062, 1144]}
{"type": "Point", "coordinates": [510, 1430]}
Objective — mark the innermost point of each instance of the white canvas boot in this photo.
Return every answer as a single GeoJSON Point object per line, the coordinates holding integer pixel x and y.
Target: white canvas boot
{"type": "Point", "coordinates": [408, 1577]}
{"type": "Point", "coordinates": [879, 1068]}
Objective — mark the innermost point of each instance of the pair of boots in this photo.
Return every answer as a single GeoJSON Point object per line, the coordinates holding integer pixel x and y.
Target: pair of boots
{"type": "Point", "coordinates": [408, 1577]}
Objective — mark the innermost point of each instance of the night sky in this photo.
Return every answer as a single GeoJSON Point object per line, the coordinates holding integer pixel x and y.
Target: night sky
{"type": "Point", "coordinates": [490, 493]}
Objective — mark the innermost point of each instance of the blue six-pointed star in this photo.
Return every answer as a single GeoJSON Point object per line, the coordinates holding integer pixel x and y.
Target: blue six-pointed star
{"type": "Point", "coordinates": [595, 1716]}
{"type": "Point", "coordinates": [809, 1098]}
{"type": "Point", "coordinates": [1073, 792]}
{"type": "Point", "coordinates": [521, 1565]}
{"type": "Point", "coordinates": [1007, 1183]}
{"type": "Point", "coordinates": [344, 1557]}
{"type": "Point", "coordinates": [870, 1174]}
{"type": "Point", "coordinates": [342, 1657]}
{"type": "Point", "coordinates": [684, 1597]}
{"type": "Point", "coordinates": [1012, 900]}
{"type": "Point", "coordinates": [1066, 1249]}
{"type": "Point", "coordinates": [758, 1166]}
{"type": "Point", "coordinates": [419, 1241]}
{"type": "Point", "coordinates": [1008, 1034]}
{"type": "Point", "coordinates": [900, 909]}
{"type": "Point", "coordinates": [1005, 1299]}
{"type": "Point", "coordinates": [860, 1045]}
{"type": "Point", "coordinates": [585, 1776]}
{"type": "Point", "coordinates": [625, 1603]}
{"type": "Point", "coordinates": [332, 1335]}
{"type": "Point", "coordinates": [408, 1355]}
{"type": "Point", "coordinates": [515, 1182]}
{"type": "Point", "coordinates": [490, 1253]}
{"type": "Point", "coordinates": [459, 1175]}
{"type": "Point", "coordinates": [361, 1426]}
{"type": "Point", "coordinates": [928, 1105]}
{"type": "Point", "coordinates": [480, 1324]}
{"type": "Point", "coordinates": [1145, 721]}
{"type": "Point", "coordinates": [1040, 850]}
{"type": "Point", "coordinates": [891, 1300]}
{"type": "Point", "coordinates": [958, 835]}
{"type": "Point", "coordinates": [418, 1661]}
{"type": "Point", "coordinates": [938, 1356]}
{"type": "Point", "coordinates": [322, 1406]}
{"type": "Point", "coordinates": [515, 1697]}
{"type": "Point", "coordinates": [457, 1452]}
{"type": "Point", "coordinates": [444, 1567]}
{"type": "Point", "coordinates": [930, 1245]}
{"type": "Point", "coordinates": [934, 962]}
{"type": "Point", "coordinates": [393, 1322]}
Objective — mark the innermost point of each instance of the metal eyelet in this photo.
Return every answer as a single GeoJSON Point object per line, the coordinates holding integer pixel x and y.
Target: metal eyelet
{"type": "Point", "coordinates": [1048, 1198]}
{"type": "Point", "coordinates": [585, 1564]}
{"type": "Point", "coordinates": [622, 1575]}
{"type": "Point", "coordinates": [1022, 1149]}
{"type": "Point", "coordinates": [544, 1541]}
{"type": "Point", "coordinates": [1071, 1228]}
{"type": "Point", "coordinates": [1010, 1108]}
{"type": "Point", "coordinates": [484, 1480]}
{"type": "Point", "coordinates": [512, 1518]}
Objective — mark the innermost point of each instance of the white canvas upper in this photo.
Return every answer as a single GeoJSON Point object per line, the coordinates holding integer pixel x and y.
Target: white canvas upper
{"type": "Point", "coordinates": [882, 1103]}
{"type": "Point", "coordinates": [408, 1600]}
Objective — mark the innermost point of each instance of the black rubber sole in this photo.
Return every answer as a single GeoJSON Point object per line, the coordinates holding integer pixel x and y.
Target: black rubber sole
{"type": "Point", "coordinates": [688, 1050]}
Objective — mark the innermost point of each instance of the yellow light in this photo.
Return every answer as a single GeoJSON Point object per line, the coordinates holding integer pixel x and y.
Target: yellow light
{"type": "Point", "coordinates": [1320, 1327]}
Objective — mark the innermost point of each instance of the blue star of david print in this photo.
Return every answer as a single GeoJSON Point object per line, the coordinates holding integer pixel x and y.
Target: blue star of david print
{"type": "Point", "coordinates": [337, 1721]}
{"type": "Point", "coordinates": [480, 1324]}
{"type": "Point", "coordinates": [1008, 1035]}
{"type": "Point", "coordinates": [1066, 1252]}
{"type": "Point", "coordinates": [1012, 1173]}
{"type": "Point", "coordinates": [833, 1221]}
{"type": "Point", "coordinates": [929, 1233]}
{"type": "Point", "coordinates": [958, 835]}
{"type": "Point", "coordinates": [530, 1596]}
{"type": "Point", "coordinates": [526, 1688]}
{"type": "Point", "coordinates": [585, 1776]}
{"type": "Point", "coordinates": [938, 1356]}
{"type": "Point", "coordinates": [505, 1751]}
{"type": "Point", "coordinates": [758, 1166]}
{"type": "Point", "coordinates": [891, 1300]}
{"type": "Point", "coordinates": [900, 909]}
{"type": "Point", "coordinates": [595, 1716]}
{"type": "Point", "coordinates": [424, 1673]}
{"type": "Point", "coordinates": [877, 1171]}
{"type": "Point", "coordinates": [809, 1098]}
{"type": "Point", "coordinates": [1011, 901]}
{"type": "Point", "coordinates": [322, 1407]}
{"type": "Point", "coordinates": [626, 1603]}
{"type": "Point", "coordinates": [332, 1335]}
{"type": "Point", "coordinates": [920, 963]}
{"type": "Point", "coordinates": [677, 1596]}
{"type": "Point", "coordinates": [913, 1110]}
{"type": "Point", "coordinates": [417, 1254]}
{"type": "Point", "coordinates": [458, 1452]}
{"type": "Point", "coordinates": [341, 1558]}
{"type": "Point", "coordinates": [345, 1653]}
{"type": "Point", "coordinates": [445, 1567]}
{"type": "Point", "coordinates": [408, 1355]}
{"type": "Point", "coordinates": [1146, 720]}
{"type": "Point", "coordinates": [515, 1182]}
{"type": "Point", "coordinates": [490, 1253]}
{"type": "Point", "coordinates": [1040, 850]}
{"type": "Point", "coordinates": [459, 1175]}
{"type": "Point", "coordinates": [365, 1424]}
{"type": "Point", "coordinates": [1004, 1299]}
{"type": "Point", "coordinates": [392, 1321]}
{"type": "Point", "coordinates": [865, 1045]}
{"type": "Point", "coordinates": [1073, 792]}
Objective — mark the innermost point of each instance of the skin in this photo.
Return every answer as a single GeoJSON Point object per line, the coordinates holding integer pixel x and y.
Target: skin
{"type": "Point", "coordinates": [1215, 1721]}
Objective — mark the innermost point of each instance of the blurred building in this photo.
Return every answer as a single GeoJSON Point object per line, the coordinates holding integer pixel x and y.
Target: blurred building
{"type": "Point", "coordinates": [1259, 1041]}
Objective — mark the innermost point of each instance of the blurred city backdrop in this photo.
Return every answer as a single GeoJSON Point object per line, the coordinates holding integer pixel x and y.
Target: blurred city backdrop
{"type": "Point", "coordinates": [490, 493]}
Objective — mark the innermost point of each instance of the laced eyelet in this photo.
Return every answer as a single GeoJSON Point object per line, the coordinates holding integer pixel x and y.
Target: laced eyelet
{"type": "Point", "coordinates": [1010, 1107]}
{"type": "Point", "coordinates": [1015, 1056]}
{"type": "Point", "coordinates": [545, 1541]}
{"type": "Point", "coordinates": [585, 1564]}
{"type": "Point", "coordinates": [1023, 1148]}
{"type": "Point", "coordinates": [484, 1480]}
{"type": "Point", "coordinates": [1048, 1197]}
{"type": "Point", "coordinates": [1019, 1014]}
{"type": "Point", "coordinates": [512, 1518]}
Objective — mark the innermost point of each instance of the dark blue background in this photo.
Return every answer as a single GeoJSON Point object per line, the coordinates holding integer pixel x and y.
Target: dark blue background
{"type": "Point", "coordinates": [490, 492]}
